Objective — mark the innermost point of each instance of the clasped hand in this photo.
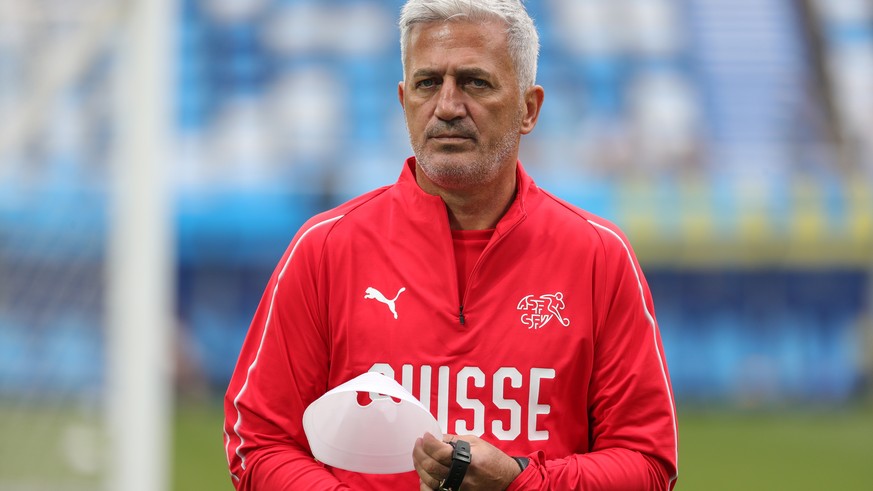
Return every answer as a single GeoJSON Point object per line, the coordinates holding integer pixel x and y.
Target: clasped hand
{"type": "Point", "coordinates": [490, 469]}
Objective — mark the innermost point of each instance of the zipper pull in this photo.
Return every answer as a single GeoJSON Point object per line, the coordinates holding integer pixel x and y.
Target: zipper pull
{"type": "Point", "coordinates": [461, 315]}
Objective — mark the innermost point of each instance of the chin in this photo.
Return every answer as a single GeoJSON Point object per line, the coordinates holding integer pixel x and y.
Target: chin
{"type": "Point", "coordinates": [456, 173]}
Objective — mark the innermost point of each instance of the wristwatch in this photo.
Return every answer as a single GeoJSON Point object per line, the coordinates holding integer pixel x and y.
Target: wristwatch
{"type": "Point", "coordinates": [522, 462]}
{"type": "Point", "coordinates": [461, 458]}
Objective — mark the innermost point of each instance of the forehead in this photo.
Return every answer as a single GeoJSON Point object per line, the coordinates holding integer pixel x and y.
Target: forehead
{"type": "Point", "coordinates": [458, 42]}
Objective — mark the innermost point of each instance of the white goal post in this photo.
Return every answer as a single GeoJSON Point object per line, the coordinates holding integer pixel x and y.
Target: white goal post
{"type": "Point", "coordinates": [140, 269]}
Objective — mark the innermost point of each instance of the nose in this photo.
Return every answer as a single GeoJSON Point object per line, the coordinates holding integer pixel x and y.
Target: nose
{"type": "Point", "coordinates": [450, 103]}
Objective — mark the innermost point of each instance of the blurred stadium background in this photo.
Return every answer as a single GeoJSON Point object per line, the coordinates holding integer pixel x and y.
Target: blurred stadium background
{"type": "Point", "coordinates": [731, 139]}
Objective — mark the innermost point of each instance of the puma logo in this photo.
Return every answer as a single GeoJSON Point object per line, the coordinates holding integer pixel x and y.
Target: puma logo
{"type": "Point", "coordinates": [376, 295]}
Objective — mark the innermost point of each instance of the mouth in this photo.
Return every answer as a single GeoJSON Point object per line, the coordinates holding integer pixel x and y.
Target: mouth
{"type": "Point", "coordinates": [451, 139]}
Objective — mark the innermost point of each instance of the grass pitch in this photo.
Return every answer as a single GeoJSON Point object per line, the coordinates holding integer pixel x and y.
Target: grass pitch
{"type": "Point", "coordinates": [760, 450]}
{"type": "Point", "coordinates": [799, 450]}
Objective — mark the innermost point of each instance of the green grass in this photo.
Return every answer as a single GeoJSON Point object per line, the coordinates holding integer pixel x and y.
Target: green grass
{"type": "Point", "coordinates": [776, 450]}
{"type": "Point", "coordinates": [794, 450]}
{"type": "Point", "coordinates": [799, 450]}
{"type": "Point", "coordinates": [57, 447]}
{"type": "Point", "coordinates": [199, 463]}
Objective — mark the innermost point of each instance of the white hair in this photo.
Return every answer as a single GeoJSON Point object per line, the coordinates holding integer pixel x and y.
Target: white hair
{"type": "Point", "coordinates": [522, 37]}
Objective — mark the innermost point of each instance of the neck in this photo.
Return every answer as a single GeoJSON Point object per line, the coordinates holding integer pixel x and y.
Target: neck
{"type": "Point", "coordinates": [477, 208]}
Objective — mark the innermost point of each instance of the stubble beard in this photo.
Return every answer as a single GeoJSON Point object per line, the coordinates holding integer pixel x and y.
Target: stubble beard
{"type": "Point", "coordinates": [458, 172]}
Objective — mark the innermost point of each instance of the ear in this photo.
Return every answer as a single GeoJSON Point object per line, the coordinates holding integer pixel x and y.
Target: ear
{"type": "Point", "coordinates": [400, 94]}
{"type": "Point", "coordinates": [533, 102]}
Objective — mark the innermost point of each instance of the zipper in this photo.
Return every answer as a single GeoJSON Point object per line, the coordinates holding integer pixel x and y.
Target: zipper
{"type": "Point", "coordinates": [491, 245]}
{"type": "Point", "coordinates": [475, 269]}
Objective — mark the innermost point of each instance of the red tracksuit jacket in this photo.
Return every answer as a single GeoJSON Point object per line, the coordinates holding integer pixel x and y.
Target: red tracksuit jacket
{"type": "Point", "coordinates": [554, 353]}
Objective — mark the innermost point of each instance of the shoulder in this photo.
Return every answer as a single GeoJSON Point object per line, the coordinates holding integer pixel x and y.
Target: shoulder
{"type": "Point", "coordinates": [317, 229]}
{"type": "Point", "coordinates": [584, 224]}
{"type": "Point", "coordinates": [605, 243]}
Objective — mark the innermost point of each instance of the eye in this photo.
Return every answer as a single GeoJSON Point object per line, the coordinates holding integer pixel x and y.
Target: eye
{"type": "Point", "coordinates": [426, 83]}
{"type": "Point", "coordinates": [478, 83]}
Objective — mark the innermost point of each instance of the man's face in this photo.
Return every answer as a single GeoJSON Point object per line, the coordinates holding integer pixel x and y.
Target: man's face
{"type": "Point", "coordinates": [463, 107]}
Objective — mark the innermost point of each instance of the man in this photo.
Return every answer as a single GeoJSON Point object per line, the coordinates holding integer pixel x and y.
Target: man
{"type": "Point", "coordinates": [522, 322]}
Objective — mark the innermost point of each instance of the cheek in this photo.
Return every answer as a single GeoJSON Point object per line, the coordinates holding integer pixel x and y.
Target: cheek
{"type": "Point", "coordinates": [505, 119]}
{"type": "Point", "coordinates": [416, 119]}
{"type": "Point", "coordinates": [415, 127]}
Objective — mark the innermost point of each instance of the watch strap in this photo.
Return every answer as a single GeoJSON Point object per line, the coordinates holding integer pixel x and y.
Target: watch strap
{"type": "Point", "coordinates": [522, 462]}
{"type": "Point", "coordinates": [461, 458]}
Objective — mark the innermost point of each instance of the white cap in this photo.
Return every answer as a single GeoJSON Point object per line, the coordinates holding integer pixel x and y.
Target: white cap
{"type": "Point", "coordinates": [377, 438]}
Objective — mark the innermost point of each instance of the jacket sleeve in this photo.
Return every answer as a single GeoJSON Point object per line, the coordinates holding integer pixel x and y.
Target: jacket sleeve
{"type": "Point", "coordinates": [282, 368]}
{"type": "Point", "coordinates": [633, 432]}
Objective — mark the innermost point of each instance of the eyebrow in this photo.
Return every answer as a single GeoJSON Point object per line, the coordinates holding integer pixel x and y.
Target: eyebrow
{"type": "Point", "coordinates": [463, 72]}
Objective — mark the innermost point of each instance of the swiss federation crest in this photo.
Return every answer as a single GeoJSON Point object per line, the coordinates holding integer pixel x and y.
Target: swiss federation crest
{"type": "Point", "coordinates": [538, 311]}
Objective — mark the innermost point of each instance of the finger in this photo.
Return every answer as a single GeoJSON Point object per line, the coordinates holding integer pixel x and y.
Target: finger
{"type": "Point", "coordinates": [429, 448]}
{"type": "Point", "coordinates": [430, 471]}
{"type": "Point", "coordinates": [438, 450]}
{"type": "Point", "coordinates": [430, 481]}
